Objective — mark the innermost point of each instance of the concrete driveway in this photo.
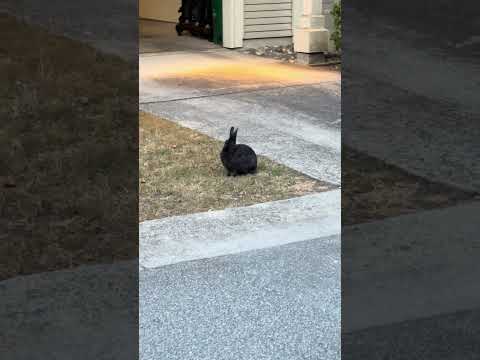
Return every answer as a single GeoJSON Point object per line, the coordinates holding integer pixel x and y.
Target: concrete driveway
{"type": "Point", "coordinates": [110, 25]}
{"type": "Point", "coordinates": [159, 36]}
{"type": "Point", "coordinates": [438, 116]}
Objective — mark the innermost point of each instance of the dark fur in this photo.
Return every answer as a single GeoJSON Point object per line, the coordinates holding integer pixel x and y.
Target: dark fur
{"type": "Point", "coordinates": [238, 159]}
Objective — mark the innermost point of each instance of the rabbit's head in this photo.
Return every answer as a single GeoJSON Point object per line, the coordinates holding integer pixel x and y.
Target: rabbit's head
{"type": "Point", "coordinates": [232, 139]}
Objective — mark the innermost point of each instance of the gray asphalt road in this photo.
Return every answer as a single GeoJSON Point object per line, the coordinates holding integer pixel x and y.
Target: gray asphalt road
{"type": "Point", "coordinates": [277, 303]}
{"type": "Point", "coordinates": [89, 312]}
{"type": "Point", "coordinates": [453, 336]}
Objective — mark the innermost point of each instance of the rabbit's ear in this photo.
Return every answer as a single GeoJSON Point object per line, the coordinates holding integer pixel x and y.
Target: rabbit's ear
{"type": "Point", "coordinates": [235, 134]}
{"type": "Point", "coordinates": [231, 131]}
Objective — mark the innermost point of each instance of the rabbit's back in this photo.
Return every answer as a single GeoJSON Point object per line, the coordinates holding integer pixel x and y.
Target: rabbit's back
{"type": "Point", "coordinates": [241, 159]}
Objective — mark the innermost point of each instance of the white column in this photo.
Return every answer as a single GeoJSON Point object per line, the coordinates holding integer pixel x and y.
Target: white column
{"type": "Point", "coordinates": [310, 34]}
{"type": "Point", "coordinates": [232, 18]}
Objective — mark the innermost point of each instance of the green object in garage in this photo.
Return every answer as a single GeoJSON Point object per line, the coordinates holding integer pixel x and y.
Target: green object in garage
{"type": "Point", "coordinates": [217, 21]}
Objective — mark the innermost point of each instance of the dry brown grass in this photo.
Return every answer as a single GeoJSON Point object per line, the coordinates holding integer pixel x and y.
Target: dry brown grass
{"type": "Point", "coordinates": [374, 190]}
{"type": "Point", "coordinates": [69, 127]}
{"type": "Point", "coordinates": [181, 173]}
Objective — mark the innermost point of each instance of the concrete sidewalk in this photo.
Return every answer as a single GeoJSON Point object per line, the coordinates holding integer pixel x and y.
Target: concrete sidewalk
{"type": "Point", "coordinates": [209, 234]}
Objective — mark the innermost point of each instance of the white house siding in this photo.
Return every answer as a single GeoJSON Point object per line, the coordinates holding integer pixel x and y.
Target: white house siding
{"type": "Point", "coordinates": [328, 5]}
{"type": "Point", "coordinates": [267, 19]}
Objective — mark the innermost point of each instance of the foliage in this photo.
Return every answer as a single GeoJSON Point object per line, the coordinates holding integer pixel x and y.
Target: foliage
{"type": "Point", "coordinates": [337, 22]}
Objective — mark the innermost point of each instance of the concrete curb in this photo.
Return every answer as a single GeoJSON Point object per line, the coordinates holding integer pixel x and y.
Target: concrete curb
{"type": "Point", "coordinates": [203, 235]}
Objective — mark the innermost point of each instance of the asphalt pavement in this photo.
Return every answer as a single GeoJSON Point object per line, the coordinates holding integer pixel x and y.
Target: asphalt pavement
{"type": "Point", "coordinates": [275, 303]}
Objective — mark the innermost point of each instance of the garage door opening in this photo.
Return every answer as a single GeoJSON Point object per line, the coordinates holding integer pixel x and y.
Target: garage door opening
{"type": "Point", "coordinates": [161, 23]}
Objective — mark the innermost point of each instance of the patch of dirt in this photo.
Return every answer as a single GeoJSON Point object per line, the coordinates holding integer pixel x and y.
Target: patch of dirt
{"type": "Point", "coordinates": [373, 190]}
{"type": "Point", "coordinates": [181, 173]}
{"type": "Point", "coordinates": [286, 53]}
{"type": "Point", "coordinates": [69, 127]}
{"type": "Point", "coordinates": [281, 52]}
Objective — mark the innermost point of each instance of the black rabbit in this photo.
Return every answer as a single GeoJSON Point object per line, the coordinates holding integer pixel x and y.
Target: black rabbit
{"type": "Point", "coordinates": [238, 159]}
